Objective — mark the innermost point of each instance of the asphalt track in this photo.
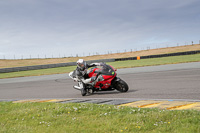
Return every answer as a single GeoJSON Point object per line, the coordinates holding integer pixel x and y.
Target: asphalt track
{"type": "Point", "coordinates": [175, 82]}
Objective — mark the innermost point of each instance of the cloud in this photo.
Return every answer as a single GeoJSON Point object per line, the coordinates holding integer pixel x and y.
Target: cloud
{"type": "Point", "coordinates": [70, 27]}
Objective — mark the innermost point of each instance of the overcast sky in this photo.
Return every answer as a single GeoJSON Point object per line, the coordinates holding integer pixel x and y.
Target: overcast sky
{"type": "Point", "coordinates": [70, 27]}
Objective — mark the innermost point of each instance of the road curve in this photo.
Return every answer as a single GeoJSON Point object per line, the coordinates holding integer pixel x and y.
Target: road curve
{"type": "Point", "coordinates": [176, 82]}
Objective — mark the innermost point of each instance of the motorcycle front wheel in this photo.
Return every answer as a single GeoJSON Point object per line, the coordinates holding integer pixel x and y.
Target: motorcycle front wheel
{"type": "Point", "coordinates": [121, 86]}
{"type": "Point", "coordinates": [83, 92]}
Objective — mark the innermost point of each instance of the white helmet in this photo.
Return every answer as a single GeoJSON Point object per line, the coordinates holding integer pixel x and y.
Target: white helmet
{"type": "Point", "coordinates": [81, 64]}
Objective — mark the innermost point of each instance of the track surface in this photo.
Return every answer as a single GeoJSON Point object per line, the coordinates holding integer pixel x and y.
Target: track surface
{"type": "Point", "coordinates": [178, 81]}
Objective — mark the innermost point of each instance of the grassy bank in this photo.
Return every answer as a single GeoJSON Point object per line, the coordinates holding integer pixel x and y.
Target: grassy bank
{"type": "Point", "coordinates": [87, 118]}
{"type": "Point", "coordinates": [31, 62]}
{"type": "Point", "coordinates": [118, 64]}
{"type": "Point", "coordinates": [156, 61]}
{"type": "Point", "coordinates": [40, 72]}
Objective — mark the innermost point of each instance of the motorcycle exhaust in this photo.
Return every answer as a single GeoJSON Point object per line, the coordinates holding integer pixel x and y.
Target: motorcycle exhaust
{"type": "Point", "coordinates": [77, 88]}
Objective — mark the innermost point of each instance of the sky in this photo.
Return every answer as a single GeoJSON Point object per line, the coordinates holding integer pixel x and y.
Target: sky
{"type": "Point", "coordinates": [57, 28]}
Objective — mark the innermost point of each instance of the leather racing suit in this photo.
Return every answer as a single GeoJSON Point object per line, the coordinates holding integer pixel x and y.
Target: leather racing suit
{"type": "Point", "coordinates": [82, 75]}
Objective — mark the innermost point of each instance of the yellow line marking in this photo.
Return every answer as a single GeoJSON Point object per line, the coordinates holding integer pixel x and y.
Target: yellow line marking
{"type": "Point", "coordinates": [188, 106]}
{"type": "Point", "coordinates": [41, 101]}
{"type": "Point", "coordinates": [19, 101]}
{"type": "Point", "coordinates": [179, 106]}
{"type": "Point", "coordinates": [46, 100]}
{"type": "Point", "coordinates": [197, 106]}
{"type": "Point", "coordinates": [169, 105]}
{"type": "Point", "coordinates": [127, 104]}
{"type": "Point", "coordinates": [143, 103]}
{"type": "Point", "coordinates": [148, 105]}
{"type": "Point", "coordinates": [25, 101]}
{"type": "Point", "coordinates": [59, 100]}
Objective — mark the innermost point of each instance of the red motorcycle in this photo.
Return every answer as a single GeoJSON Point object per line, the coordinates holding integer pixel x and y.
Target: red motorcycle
{"type": "Point", "coordinates": [105, 80]}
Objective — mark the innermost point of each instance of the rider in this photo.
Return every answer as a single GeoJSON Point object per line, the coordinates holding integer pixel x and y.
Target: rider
{"type": "Point", "coordinates": [81, 71]}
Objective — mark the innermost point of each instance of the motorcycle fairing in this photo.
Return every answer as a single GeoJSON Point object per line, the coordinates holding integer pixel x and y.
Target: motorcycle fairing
{"type": "Point", "coordinates": [107, 72]}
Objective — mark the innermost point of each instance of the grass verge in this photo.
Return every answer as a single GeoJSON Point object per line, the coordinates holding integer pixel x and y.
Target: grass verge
{"type": "Point", "coordinates": [40, 72]}
{"type": "Point", "coordinates": [118, 64]}
{"type": "Point", "coordinates": [87, 118]}
{"type": "Point", "coordinates": [32, 62]}
{"type": "Point", "coordinates": [156, 61]}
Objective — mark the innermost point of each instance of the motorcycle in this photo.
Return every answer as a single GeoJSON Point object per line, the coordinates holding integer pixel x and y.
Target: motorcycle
{"type": "Point", "coordinates": [105, 80]}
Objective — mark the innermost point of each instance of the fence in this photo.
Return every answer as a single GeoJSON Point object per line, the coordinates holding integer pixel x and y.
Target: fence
{"type": "Point", "coordinates": [26, 68]}
{"type": "Point", "coordinates": [67, 55]}
{"type": "Point", "coordinates": [160, 55]}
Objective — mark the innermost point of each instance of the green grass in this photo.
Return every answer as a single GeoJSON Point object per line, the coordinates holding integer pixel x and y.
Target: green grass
{"type": "Point", "coordinates": [118, 64]}
{"type": "Point", "coordinates": [90, 118]}
{"type": "Point", "coordinates": [156, 61]}
{"type": "Point", "coordinates": [38, 72]}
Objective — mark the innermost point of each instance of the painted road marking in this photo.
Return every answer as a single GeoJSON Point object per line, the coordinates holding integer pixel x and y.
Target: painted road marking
{"type": "Point", "coordinates": [184, 106]}
{"type": "Point", "coordinates": [25, 101]}
{"type": "Point", "coordinates": [150, 105]}
{"type": "Point", "coordinates": [55, 100]}
{"type": "Point", "coordinates": [169, 105]}
{"type": "Point", "coordinates": [40, 101]}
{"type": "Point", "coordinates": [195, 106]}
{"type": "Point", "coordinates": [143, 103]}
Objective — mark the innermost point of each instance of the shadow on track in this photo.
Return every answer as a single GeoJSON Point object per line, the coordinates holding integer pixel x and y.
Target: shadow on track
{"type": "Point", "coordinates": [110, 92]}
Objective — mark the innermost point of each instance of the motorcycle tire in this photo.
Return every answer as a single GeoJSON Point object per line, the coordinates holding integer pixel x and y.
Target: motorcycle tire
{"type": "Point", "coordinates": [121, 86]}
{"type": "Point", "coordinates": [83, 92]}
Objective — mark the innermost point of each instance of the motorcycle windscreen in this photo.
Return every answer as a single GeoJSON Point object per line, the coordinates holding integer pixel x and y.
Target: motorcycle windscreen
{"type": "Point", "coordinates": [105, 70]}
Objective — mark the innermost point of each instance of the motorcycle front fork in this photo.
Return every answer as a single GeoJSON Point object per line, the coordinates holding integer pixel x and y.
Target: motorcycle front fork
{"type": "Point", "coordinates": [79, 87]}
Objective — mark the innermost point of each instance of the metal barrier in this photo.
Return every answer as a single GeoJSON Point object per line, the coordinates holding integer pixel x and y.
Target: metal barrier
{"type": "Point", "coordinates": [26, 68]}
{"type": "Point", "coordinates": [158, 56]}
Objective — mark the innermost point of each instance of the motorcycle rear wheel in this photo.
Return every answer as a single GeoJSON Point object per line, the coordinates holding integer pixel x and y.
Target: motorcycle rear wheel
{"type": "Point", "coordinates": [121, 86]}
